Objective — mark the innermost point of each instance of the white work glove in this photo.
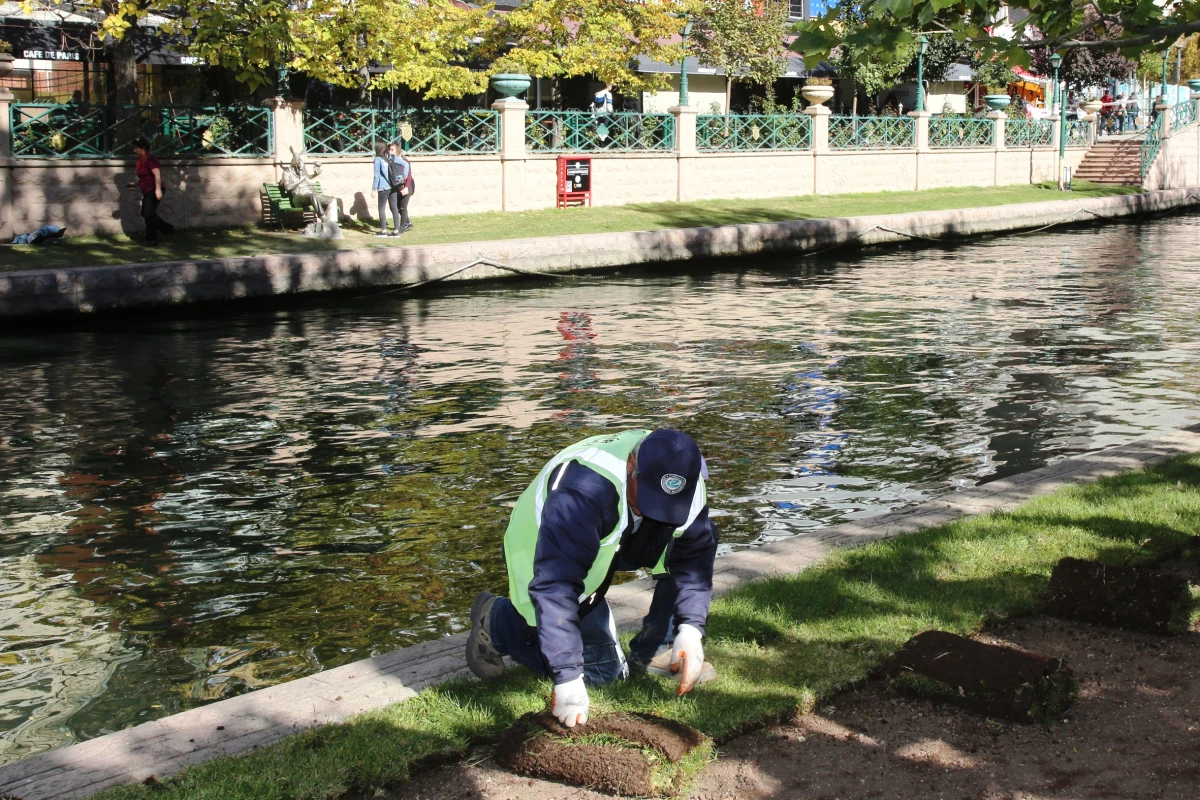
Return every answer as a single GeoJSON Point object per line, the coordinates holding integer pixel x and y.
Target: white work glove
{"type": "Point", "coordinates": [687, 656]}
{"type": "Point", "coordinates": [571, 703]}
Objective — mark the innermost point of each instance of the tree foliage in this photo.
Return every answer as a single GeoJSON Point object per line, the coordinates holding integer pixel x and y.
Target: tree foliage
{"type": "Point", "coordinates": [872, 69]}
{"type": "Point", "coordinates": [566, 38]}
{"type": "Point", "coordinates": [1060, 25]}
{"type": "Point", "coordinates": [744, 40]}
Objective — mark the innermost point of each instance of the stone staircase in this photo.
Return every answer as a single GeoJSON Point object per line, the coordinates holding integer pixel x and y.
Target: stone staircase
{"type": "Point", "coordinates": [1116, 162]}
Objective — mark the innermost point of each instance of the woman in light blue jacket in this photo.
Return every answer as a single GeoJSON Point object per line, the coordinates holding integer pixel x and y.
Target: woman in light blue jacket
{"type": "Point", "coordinates": [389, 195]}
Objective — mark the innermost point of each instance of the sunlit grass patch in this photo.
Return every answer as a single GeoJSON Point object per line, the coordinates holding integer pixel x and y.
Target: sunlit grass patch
{"type": "Point", "coordinates": [778, 645]}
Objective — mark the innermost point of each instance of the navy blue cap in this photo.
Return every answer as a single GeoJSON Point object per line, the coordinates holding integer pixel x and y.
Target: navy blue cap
{"type": "Point", "coordinates": [668, 472]}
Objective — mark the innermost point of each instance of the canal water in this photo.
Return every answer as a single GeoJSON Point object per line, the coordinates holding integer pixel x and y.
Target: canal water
{"type": "Point", "coordinates": [193, 508]}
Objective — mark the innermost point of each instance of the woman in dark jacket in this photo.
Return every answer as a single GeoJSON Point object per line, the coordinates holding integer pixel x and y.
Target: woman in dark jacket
{"type": "Point", "coordinates": [406, 187]}
{"type": "Point", "coordinates": [149, 183]}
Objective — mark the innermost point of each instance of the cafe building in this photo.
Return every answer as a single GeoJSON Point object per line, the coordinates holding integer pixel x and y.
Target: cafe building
{"type": "Point", "coordinates": [60, 57]}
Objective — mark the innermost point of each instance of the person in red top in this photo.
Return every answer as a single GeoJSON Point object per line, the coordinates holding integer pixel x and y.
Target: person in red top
{"type": "Point", "coordinates": [1106, 112]}
{"type": "Point", "coordinates": [149, 183]}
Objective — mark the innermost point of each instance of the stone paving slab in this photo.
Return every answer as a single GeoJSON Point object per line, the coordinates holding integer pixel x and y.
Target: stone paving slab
{"type": "Point", "coordinates": [252, 720]}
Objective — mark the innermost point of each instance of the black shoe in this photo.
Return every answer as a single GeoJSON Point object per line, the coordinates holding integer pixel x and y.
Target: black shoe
{"type": "Point", "coordinates": [406, 227]}
{"type": "Point", "coordinates": [484, 660]}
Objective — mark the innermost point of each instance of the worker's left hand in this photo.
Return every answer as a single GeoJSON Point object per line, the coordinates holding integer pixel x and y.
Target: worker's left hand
{"type": "Point", "coordinates": [571, 703]}
{"type": "Point", "coordinates": [687, 656]}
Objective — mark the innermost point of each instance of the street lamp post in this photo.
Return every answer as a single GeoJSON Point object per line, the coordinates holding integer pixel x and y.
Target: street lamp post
{"type": "Point", "coordinates": [683, 79]}
{"type": "Point", "coordinates": [1162, 91]}
{"type": "Point", "coordinates": [924, 48]}
{"type": "Point", "coordinates": [1056, 62]}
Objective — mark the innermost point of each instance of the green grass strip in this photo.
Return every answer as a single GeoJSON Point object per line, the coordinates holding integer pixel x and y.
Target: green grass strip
{"type": "Point", "coordinates": [81, 251]}
{"type": "Point", "coordinates": [778, 644]}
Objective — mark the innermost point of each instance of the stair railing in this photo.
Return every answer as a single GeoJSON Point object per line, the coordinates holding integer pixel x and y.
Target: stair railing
{"type": "Point", "coordinates": [1151, 145]}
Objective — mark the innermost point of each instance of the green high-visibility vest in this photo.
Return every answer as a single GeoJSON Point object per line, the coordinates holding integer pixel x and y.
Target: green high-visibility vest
{"type": "Point", "coordinates": [606, 455]}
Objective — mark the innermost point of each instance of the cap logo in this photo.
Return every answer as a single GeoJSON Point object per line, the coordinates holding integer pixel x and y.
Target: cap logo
{"type": "Point", "coordinates": [673, 484]}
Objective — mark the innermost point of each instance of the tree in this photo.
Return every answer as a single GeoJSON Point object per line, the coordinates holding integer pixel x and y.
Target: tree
{"type": "Point", "coordinates": [1084, 67]}
{"type": "Point", "coordinates": [744, 40]}
{"type": "Point", "coordinates": [944, 52]}
{"type": "Point", "coordinates": [427, 46]}
{"type": "Point", "coordinates": [873, 71]}
{"type": "Point", "coordinates": [566, 38]}
{"type": "Point", "coordinates": [1060, 25]}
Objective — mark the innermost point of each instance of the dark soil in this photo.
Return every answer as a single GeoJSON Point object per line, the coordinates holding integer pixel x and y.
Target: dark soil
{"type": "Point", "coordinates": [1133, 734]}
{"type": "Point", "coordinates": [606, 768]}
{"type": "Point", "coordinates": [539, 746]}
{"type": "Point", "coordinates": [994, 680]}
{"type": "Point", "coordinates": [1133, 598]}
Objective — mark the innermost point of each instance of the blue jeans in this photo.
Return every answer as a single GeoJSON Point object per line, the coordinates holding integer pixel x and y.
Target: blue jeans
{"type": "Point", "coordinates": [603, 661]}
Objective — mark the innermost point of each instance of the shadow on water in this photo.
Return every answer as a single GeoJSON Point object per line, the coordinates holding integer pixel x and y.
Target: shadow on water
{"type": "Point", "coordinates": [201, 502]}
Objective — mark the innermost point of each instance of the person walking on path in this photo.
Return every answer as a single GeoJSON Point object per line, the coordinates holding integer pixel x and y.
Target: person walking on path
{"type": "Point", "coordinates": [387, 193]}
{"type": "Point", "coordinates": [149, 183]}
{"type": "Point", "coordinates": [625, 501]}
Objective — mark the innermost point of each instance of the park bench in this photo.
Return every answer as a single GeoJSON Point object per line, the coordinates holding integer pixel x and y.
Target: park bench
{"type": "Point", "coordinates": [278, 209]}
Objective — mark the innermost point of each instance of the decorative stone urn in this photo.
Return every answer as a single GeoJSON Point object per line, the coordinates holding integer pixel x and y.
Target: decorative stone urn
{"type": "Point", "coordinates": [997, 102]}
{"type": "Point", "coordinates": [1194, 85]}
{"type": "Point", "coordinates": [817, 93]}
{"type": "Point", "coordinates": [1091, 107]}
{"type": "Point", "coordinates": [6, 64]}
{"type": "Point", "coordinates": [510, 84]}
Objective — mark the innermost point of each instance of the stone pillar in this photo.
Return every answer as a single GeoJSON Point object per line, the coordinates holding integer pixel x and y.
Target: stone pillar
{"type": "Point", "coordinates": [685, 149]}
{"type": "Point", "coordinates": [819, 115]}
{"type": "Point", "coordinates": [288, 121]}
{"type": "Point", "coordinates": [1164, 113]}
{"type": "Point", "coordinates": [512, 152]}
{"type": "Point", "coordinates": [6, 217]}
{"type": "Point", "coordinates": [921, 141]}
{"type": "Point", "coordinates": [999, 119]}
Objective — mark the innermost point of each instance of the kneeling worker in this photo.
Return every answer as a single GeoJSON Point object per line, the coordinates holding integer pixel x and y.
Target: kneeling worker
{"type": "Point", "coordinates": [615, 502]}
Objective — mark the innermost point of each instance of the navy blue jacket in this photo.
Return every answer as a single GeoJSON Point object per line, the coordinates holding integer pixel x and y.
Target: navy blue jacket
{"type": "Point", "coordinates": [581, 508]}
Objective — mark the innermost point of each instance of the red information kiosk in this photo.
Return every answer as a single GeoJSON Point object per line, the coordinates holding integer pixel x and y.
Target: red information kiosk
{"type": "Point", "coordinates": [574, 181]}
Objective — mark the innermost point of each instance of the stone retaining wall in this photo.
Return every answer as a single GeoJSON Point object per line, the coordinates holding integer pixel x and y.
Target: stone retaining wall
{"type": "Point", "coordinates": [88, 196]}
{"type": "Point", "coordinates": [91, 289]}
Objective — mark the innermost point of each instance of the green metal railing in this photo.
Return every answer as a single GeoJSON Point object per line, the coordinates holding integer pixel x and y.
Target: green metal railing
{"type": "Point", "coordinates": [1183, 114]}
{"type": "Point", "coordinates": [76, 130]}
{"type": "Point", "coordinates": [583, 131]}
{"type": "Point", "coordinates": [716, 132]}
{"type": "Point", "coordinates": [1079, 133]}
{"type": "Point", "coordinates": [948, 132]}
{"type": "Point", "coordinates": [354, 131]}
{"type": "Point", "coordinates": [1151, 145]}
{"type": "Point", "coordinates": [1029, 132]}
{"type": "Point", "coordinates": [872, 133]}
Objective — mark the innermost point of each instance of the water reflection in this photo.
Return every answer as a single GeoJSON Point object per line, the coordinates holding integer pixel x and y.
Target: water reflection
{"type": "Point", "coordinates": [192, 509]}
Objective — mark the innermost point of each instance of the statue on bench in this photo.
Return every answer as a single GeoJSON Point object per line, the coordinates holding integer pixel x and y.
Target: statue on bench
{"type": "Point", "coordinates": [296, 182]}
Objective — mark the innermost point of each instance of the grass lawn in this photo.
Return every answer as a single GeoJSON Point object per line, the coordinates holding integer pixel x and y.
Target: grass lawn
{"type": "Point", "coordinates": [78, 251]}
{"type": "Point", "coordinates": [778, 644]}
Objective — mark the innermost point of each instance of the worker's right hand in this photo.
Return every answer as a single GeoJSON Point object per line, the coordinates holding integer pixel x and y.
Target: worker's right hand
{"type": "Point", "coordinates": [571, 703]}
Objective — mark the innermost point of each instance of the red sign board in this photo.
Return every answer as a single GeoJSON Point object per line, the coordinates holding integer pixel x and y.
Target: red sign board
{"type": "Point", "coordinates": [574, 180]}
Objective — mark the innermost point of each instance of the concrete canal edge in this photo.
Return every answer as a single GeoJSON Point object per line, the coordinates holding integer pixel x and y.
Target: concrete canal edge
{"type": "Point", "coordinates": [84, 290]}
{"type": "Point", "coordinates": [249, 721]}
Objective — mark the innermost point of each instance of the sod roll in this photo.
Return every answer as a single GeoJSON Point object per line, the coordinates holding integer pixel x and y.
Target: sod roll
{"type": "Point", "coordinates": [1132, 598]}
{"type": "Point", "coordinates": [990, 679]}
{"type": "Point", "coordinates": [622, 754]}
